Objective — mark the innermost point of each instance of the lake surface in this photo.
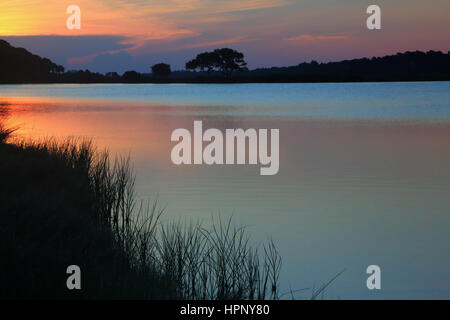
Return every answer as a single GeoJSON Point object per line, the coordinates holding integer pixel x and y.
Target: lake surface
{"type": "Point", "coordinates": [364, 169]}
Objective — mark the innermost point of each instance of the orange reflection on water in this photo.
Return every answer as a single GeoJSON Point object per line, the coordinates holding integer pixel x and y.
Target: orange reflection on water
{"type": "Point", "coordinates": [42, 118]}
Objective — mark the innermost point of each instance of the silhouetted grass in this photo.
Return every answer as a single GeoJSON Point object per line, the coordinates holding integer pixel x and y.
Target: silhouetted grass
{"type": "Point", "coordinates": [216, 263]}
{"type": "Point", "coordinates": [5, 133]}
{"type": "Point", "coordinates": [65, 203]}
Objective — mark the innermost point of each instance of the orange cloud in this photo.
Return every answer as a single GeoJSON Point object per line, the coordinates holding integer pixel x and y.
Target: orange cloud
{"type": "Point", "coordinates": [37, 17]}
{"type": "Point", "coordinates": [164, 7]}
{"type": "Point", "coordinates": [154, 19]}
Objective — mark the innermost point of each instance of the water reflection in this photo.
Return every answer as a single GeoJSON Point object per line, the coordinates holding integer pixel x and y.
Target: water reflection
{"type": "Point", "coordinates": [350, 192]}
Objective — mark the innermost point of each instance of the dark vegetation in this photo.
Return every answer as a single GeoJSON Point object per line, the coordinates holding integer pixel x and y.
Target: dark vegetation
{"type": "Point", "coordinates": [65, 203]}
{"type": "Point", "coordinates": [19, 65]}
{"type": "Point", "coordinates": [227, 65]}
{"type": "Point", "coordinates": [225, 60]}
{"type": "Point", "coordinates": [161, 70]}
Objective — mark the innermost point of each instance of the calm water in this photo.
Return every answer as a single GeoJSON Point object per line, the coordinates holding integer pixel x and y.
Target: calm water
{"type": "Point", "coordinates": [364, 169]}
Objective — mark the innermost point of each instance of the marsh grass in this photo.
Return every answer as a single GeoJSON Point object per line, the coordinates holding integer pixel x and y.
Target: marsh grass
{"type": "Point", "coordinates": [5, 133]}
{"type": "Point", "coordinates": [218, 262]}
{"type": "Point", "coordinates": [65, 203]}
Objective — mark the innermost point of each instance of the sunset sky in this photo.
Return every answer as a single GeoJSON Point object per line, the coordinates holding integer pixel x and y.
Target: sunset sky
{"type": "Point", "coordinates": [120, 35]}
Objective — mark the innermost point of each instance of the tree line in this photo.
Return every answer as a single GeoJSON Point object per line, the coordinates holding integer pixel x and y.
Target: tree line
{"type": "Point", "coordinates": [17, 65]}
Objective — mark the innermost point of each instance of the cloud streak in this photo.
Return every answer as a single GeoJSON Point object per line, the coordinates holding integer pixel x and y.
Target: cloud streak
{"type": "Point", "coordinates": [214, 43]}
{"type": "Point", "coordinates": [164, 7]}
{"type": "Point", "coordinates": [309, 37]}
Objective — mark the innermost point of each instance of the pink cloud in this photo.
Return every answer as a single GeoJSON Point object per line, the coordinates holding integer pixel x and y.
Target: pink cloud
{"type": "Point", "coordinates": [80, 60]}
{"type": "Point", "coordinates": [215, 43]}
{"type": "Point", "coordinates": [308, 37]}
{"type": "Point", "coordinates": [75, 61]}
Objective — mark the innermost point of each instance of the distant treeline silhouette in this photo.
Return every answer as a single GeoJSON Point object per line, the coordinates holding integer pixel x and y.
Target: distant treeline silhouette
{"type": "Point", "coordinates": [17, 65]}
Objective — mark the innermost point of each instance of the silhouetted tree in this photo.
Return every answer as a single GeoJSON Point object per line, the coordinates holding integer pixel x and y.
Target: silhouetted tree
{"type": "Point", "coordinates": [131, 76]}
{"type": "Point", "coordinates": [230, 60]}
{"type": "Point", "coordinates": [204, 61]}
{"type": "Point", "coordinates": [60, 69]}
{"type": "Point", "coordinates": [161, 70]}
{"type": "Point", "coordinates": [225, 59]}
{"type": "Point", "coordinates": [113, 75]}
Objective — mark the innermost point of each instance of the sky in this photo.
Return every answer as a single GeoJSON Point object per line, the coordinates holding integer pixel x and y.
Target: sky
{"type": "Point", "coordinates": [121, 35]}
